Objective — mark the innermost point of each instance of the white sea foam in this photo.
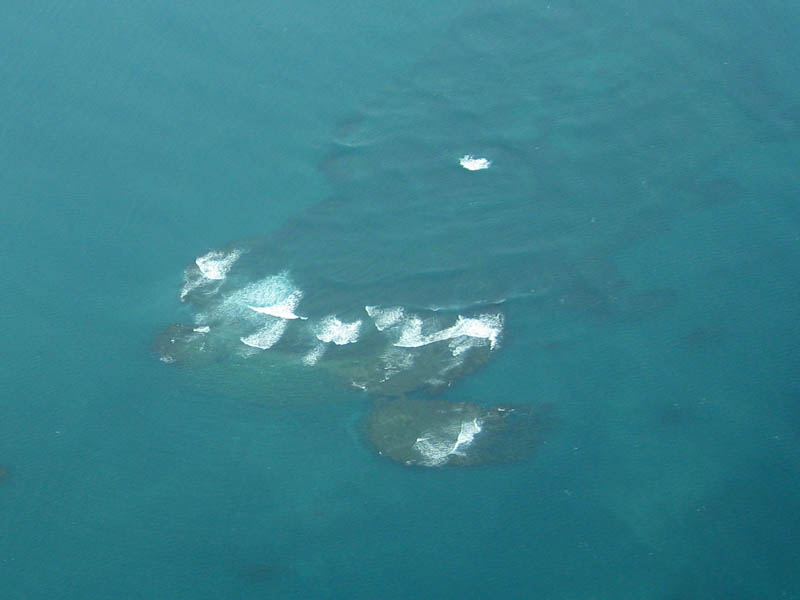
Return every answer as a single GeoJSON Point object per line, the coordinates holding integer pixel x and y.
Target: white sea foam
{"type": "Point", "coordinates": [313, 355]}
{"type": "Point", "coordinates": [193, 279]}
{"type": "Point", "coordinates": [459, 345]}
{"type": "Point", "coordinates": [437, 447]}
{"type": "Point", "coordinates": [216, 264]}
{"type": "Point", "coordinates": [396, 360]}
{"type": "Point", "coordinates": [331, 329]}
{"type": "Point", "coordinates": [268, 303]}
{"type": "Point", "coordinates": [385, 317]}
{"type": "Point", "coordinates": [485, 327]}
{"type": "Point", "coordinates": [275, 296]}
{"type": "Point", "coordinates": [210, 268]}
{"type": "Point", "coordinates": [283, 309]}
{"type": "Point", "coordinates": [434, 449]}
{"type": "Point", "coordinates": [267, 336]}
{"type": "Point", "coordinates": [472, 163]}
{"type": "Point", "coordinates": [411, 333]}
{"type": "Point", "coordinates": [469, 429]}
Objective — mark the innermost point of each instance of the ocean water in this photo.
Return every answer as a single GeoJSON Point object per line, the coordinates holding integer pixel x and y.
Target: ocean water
{"type": "Point", "coordinates": [626, 266]}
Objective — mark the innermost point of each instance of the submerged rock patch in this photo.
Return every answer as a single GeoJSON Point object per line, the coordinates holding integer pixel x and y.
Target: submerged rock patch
{"type": "Point", "coordinates": [434, 433]}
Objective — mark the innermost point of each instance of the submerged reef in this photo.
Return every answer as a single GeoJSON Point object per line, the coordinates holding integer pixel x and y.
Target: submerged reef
{"type": "Point", "coordinates": [407, 278]}
{"type": "Point", "coordinates": [433, 433]}
{"type": "Point", "coordinates": [253, 327]}
{"type": "Point", "coordinates": [246, 327]}
{"type": "Point", "coordinates": [385, 350]}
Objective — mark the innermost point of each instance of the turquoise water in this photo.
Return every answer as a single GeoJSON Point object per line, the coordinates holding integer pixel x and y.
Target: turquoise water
{"type": "Point", "coordinates": [637, 230]}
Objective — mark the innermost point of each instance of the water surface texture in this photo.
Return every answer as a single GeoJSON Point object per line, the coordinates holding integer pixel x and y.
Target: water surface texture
{"type": "Point", "coordinates": [452, 299]}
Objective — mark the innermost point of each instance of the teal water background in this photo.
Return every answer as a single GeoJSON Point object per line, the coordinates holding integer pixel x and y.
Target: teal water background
{"type": "Point", "coordinates": [135, 137]}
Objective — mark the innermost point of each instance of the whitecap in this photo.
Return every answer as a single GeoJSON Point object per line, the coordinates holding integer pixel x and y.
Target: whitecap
{"type": "Point", "coordinates": [469, 429]}
{"type": "Point", "coordinates": [472, 163]}
{"type": "Point", "coordinates": [486, 327]}
{"type": "Point", "coordinates": [216, 264]}
{"type": "Point", "coordinates": [434, 450]}
{"type": "Point", "coordinates": [313, 355]}
{"type": "Point", "coordinates": [283, 309]}
{"type": "Point", "coordinates": [211, 268]}
{"type": "Point", "coordinates": [274, 296]}
{"type": "Point", "coordinates": [385, 317]}
{"type": "Point", "coordinates": [411, 333]}
{"type": "Point", "coordinates": [437, 447]}
{"type": "Point", "coordinates": [331, 329]}
{"type": "Point", "coordinates": [267, 336]}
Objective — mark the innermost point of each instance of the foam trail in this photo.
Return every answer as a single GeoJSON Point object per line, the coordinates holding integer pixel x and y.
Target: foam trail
{"type": "Point", "coordinates": [313, 355]}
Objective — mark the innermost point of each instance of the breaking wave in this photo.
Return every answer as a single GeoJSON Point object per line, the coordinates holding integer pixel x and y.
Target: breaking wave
{"type": "Point", "coordinates": [484, 327]}
{"type": "Point", "coordinates": [427, 253]}
{"type": "Point", "coordinates": [330, 329]}
{"type": "Point", "coordinates": [266, 337]}
{"type": "Point", "coordinates": [406, 349]}
{"type": "Point", "coordinates": [216, 264]}
{"type": "Point", "coordinates": [472, 163]}
{"type": "Point", "coordinates": [208, 271]}
{"type": "Point", "coordinates": [385, 317]}
{"type": "Point", "coordinates": [436, 447]}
